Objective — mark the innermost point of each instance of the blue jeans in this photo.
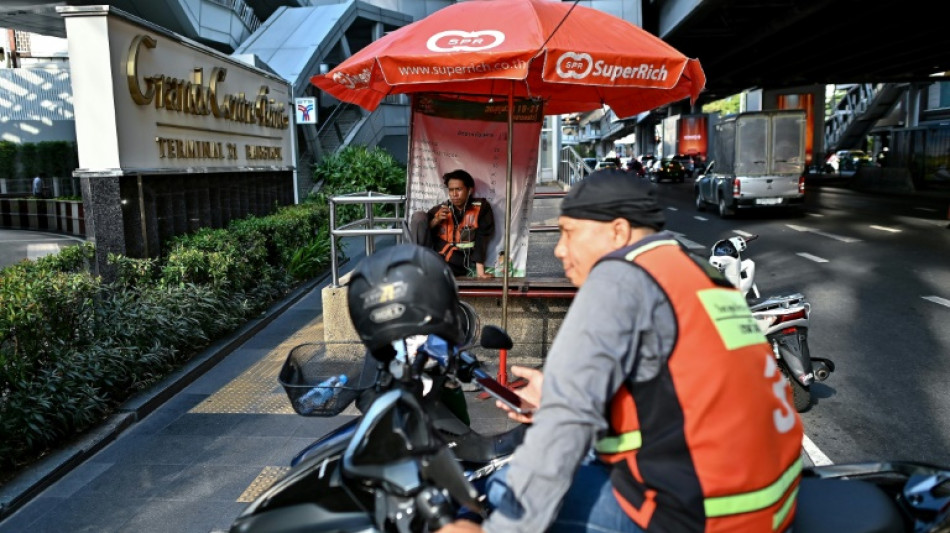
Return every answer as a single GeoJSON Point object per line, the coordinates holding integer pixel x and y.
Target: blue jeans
{"type": "Point", "coordinates": [588, 507]}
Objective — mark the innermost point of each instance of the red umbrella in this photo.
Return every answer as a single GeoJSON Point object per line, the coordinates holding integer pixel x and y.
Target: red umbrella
{"type": "Point", "coordinates": [572, 57]}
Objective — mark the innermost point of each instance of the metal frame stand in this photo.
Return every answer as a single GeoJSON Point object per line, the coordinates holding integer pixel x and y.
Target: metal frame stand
{"type": "Point", "coordinates": [370, 226]}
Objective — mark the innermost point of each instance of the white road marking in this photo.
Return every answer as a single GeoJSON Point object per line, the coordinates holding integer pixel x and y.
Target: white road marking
{"type": "Point", "coordinates": [823, 234]}
{"type": "Point", "coordinates": [928, 209]}
{"type": "Point", "coordinates": [815, 214]}
{"type": "Point", "coordinates": [818, 458]}
{"type": "Point", "coordinates": [743, 233]}
{"type": "Point", "coordinates": [672, 209]}
{"type": "Point", "coordinates": [937, 300]}
{"type": "Point", "coordinates": [885, 228]}
{"type": "Point", "coordinates": [814, 258]}
{"type": "Point", "coordinates": [36, 251]}
{"type": "Point", "coordinates": [686, 242]}
{"type": "Point", "coordinates": [699, 218]}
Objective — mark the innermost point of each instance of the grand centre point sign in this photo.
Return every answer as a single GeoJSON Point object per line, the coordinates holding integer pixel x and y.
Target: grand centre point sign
{"type": "Point", "coordinates": [168, 114]}
{"type": "Point", "coordinates": [193, 97]}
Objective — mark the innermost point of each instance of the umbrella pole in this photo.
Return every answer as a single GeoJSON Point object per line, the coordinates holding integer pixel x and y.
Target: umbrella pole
{"type": "Point", "coordinates": [503, 355]}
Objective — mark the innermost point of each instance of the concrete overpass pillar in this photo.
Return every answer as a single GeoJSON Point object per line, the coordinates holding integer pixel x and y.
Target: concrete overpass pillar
{"type": "Point", "coordinates": [912, 106]}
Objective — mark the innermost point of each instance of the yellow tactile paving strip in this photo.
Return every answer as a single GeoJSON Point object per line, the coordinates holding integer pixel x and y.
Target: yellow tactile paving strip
{"type": "Point", "coordinates": [264, 480]}
{"type": "Point", "coordinates": [256, 390]}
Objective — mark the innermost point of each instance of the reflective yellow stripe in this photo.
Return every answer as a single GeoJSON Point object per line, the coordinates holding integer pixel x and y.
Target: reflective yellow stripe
{"type": "Point", "coordinates": [755, 500]}
{"type": "Point", "coordinates": [783, 512]}
{"type": "Point", "coordinates": [621, 443]}
{"type": "Point", "coordinates": [632, 254]}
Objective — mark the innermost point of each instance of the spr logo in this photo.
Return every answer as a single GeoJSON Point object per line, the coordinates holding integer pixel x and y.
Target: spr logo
{"type": "Point", "coordinates": [574, 65]}
{"type": "Point", "coordinates": [465, 41]}
{"type": "Point", "coordinates": [353, 81]}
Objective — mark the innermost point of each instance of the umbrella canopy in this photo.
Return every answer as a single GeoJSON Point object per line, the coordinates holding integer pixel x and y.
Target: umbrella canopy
{"type": "Point", "coordinates": [572, 57]}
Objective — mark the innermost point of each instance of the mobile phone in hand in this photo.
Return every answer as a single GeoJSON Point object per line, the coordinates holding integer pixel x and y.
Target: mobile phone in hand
{"type": "Point", "coordinates": [506, 396]}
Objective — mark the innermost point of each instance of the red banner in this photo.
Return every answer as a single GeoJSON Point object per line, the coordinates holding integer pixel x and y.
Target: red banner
{"type": "Point", "coordinates": [692, 135]}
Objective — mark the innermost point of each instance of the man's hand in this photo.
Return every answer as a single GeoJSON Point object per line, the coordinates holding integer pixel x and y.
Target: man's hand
{"type": "Point", "coordinates": [443, 213]}
{"type": "Point", "coordinates": [530, 392]}
{"type": "Point", "coordinates": [461, 526]}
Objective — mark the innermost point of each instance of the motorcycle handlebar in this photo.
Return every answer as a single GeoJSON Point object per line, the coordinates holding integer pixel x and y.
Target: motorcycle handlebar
{"type": "Point", "coordinates": [466, 364]}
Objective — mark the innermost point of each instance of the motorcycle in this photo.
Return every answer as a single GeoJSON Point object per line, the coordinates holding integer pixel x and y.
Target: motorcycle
{"type": "Point", "coordinates": [784, 319]}
{"type": "Point", "coordinates": [397, 469]}
{"type": "Point", "coordinates": [407, 464]}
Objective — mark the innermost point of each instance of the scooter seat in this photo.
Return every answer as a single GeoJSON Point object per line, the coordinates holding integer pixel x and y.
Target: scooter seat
{"type": "Point", "coordinates": [844, 506]}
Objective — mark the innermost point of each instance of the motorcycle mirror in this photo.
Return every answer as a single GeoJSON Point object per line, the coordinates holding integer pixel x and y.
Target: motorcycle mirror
{"type": "Point", "coordinates": [495, 338]}
{"type": "Point", "coordinates": [739, 243]}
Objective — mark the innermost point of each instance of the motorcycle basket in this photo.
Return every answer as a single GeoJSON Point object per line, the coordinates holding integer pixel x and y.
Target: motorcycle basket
{"type": "Point", "coordinates": [311, 378]}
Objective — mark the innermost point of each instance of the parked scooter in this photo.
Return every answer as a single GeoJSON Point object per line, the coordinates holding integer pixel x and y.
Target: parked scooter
{"type": "Point", "coordinates": [783, 319]}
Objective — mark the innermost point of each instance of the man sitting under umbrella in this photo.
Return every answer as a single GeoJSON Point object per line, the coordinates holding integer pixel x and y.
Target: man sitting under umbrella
{"type": "Point", "coordinates": [459, 229]}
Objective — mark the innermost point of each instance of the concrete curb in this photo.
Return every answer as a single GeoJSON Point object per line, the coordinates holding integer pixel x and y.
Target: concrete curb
{"type": "Point", "coordinates": [53, 467]}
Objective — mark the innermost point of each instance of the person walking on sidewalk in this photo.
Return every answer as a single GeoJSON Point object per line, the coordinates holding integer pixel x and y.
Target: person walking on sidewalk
{"type": "Point", "coordinates": [661, 370]}
{"type": "Point", "coordinates": [38, 184]}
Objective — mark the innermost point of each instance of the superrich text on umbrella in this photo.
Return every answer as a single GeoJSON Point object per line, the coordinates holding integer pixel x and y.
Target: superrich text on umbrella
{"type": "Point", "coordinates": [462, 70]}
{"type": "Point", "coordinates": [580, 65]}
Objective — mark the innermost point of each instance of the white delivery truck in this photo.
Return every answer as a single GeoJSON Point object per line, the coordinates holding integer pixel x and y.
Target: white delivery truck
{"type": "Point", "coordinates": [757, 161]}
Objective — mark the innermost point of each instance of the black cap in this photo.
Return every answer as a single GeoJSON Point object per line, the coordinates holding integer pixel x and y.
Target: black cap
{"type": "Point", "coordinates": [609, 194]}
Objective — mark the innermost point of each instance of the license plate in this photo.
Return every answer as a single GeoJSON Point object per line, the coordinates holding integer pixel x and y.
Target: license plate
{"type": "Point", "coordinates": [768, 201]}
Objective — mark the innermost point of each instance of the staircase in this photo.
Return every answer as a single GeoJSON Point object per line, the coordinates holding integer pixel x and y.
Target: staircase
{"type": "Point", "coordinates": [857, 112]}
{"type": "Point", "coordinates": [337, 128]}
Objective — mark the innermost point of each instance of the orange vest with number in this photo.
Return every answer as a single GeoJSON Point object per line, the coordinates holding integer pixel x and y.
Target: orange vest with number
{"type": "Point", "coordinates": [712, 443]}
{"type": "Point", "coordinates": [452, 233]}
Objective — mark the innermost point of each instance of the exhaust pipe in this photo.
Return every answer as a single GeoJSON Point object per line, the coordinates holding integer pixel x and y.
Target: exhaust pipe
{"type": "Point", "coordinates": [822, 368]}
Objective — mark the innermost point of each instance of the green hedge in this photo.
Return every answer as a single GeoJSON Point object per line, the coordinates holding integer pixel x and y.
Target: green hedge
{"type": "Point", "coordinates": [25, 160]}
{"type": "Point", "coordinates": [72, 348]}
{"type": "Point", "coordinates": [357, 169]}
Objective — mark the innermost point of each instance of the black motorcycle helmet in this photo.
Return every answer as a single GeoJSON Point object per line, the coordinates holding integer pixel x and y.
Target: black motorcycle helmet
{"type": "Point", "coordinates": [400, 291]}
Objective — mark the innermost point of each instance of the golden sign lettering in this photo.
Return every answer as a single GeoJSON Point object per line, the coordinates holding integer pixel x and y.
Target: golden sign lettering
{"type": "Point", "coordinates": [195, 97]}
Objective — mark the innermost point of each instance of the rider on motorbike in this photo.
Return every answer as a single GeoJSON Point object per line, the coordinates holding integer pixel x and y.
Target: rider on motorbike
{"type": "Point", "coordinates": [660, 369]}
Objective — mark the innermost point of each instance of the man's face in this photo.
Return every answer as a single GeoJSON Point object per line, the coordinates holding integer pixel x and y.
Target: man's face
{"type": "Point", "coordinates": [582, 243]}
{"type": "Point", "coordinates": [458, 193]}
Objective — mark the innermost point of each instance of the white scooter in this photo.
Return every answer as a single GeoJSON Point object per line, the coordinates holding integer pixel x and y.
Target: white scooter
{"type": "Point", "coordinates": [783, 319]}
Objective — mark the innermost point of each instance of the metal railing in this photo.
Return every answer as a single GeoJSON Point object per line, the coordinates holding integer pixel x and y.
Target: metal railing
{"type": "Point", "coordinates": [370, 226]}
{"type": "Point", "coordinates": [243, 12]}
{"type": "Point", "coordinates": [849, 109]}
{"type": "Point", "coordinates": [571, 167]}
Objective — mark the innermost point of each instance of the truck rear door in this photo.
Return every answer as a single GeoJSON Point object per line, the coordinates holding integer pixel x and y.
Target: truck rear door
{"type": "Point", "coordinates": [786, 154]}
{"type": "Point", "coordinates": [772, 154]}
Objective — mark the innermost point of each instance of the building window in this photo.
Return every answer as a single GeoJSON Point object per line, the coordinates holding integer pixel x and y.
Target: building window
{"type": "Point", "coordinates": [22, 43]}
{"type": "Point", "coordinates": [938, 96]}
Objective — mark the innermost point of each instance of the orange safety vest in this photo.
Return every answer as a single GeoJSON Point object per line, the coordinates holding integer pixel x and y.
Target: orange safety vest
{"type": "Point", "coordinates": [712, 443]}
{"type": "Point", "coordinates": [452, 234]}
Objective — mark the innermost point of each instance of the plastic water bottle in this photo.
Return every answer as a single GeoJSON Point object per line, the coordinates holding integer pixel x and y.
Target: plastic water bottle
{"type": "Point", "coordinates": [320, 395]}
